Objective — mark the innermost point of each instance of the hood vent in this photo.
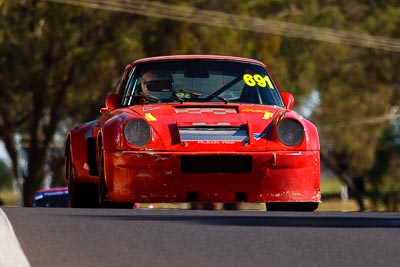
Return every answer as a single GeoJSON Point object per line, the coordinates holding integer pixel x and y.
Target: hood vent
{"type": "Point", "coordinates": [205, 110]}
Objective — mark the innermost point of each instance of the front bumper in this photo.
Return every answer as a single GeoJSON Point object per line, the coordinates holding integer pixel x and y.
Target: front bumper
{"type": "Point", "coordinates": [279, 176]}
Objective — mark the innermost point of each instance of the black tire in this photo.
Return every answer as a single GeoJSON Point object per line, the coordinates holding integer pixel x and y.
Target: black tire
{"type": "Point", "coordinates": [81, 195]}
{"type": "Point", "coordinates": [102, 191]}
{"type": "Point", "coordinates": [292, 206]}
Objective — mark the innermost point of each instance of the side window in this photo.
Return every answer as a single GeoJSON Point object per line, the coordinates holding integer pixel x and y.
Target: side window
{"type": "Point", "coordinates": [129, 89]}
{"type": "Point", "coordinates": [122, 82]}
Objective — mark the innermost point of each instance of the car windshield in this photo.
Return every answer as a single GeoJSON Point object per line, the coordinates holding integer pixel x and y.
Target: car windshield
{"type": "Point", "coordinates": [200, 80]}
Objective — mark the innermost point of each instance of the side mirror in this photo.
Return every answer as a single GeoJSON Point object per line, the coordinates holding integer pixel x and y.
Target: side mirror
{"type": "Point", "coordinates": [112, 102]}
{"type": "Point", "coordinates": [288, 100]}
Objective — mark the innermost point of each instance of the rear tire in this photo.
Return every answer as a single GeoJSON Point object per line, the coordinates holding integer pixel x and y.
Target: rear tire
{"type": "Point", "coordinates": [292, 206]}
{"type": "Point", "coordinates": [81, 195]}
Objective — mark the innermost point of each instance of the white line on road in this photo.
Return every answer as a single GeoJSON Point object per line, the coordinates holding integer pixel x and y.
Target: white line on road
{"type": "Point", "coordinates": [11, 253]}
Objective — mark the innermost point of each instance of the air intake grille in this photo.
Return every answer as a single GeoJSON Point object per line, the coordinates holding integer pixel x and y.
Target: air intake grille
{"type": "Point", "coordinates": [216, 164]}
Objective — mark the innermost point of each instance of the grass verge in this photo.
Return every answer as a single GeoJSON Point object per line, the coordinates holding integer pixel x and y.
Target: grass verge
{"type": "Point", "coordinates": [10, 198]}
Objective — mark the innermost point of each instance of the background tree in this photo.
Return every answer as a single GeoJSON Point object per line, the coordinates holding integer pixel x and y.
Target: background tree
{"type": "Point", "coordinates": [384, 176]}
{"type": "Point", "coordinates": [355, 85]}
{"type": "Point", "coordinates": [53, 55]}
{"type": "Point", "coordinates": [7, 178]}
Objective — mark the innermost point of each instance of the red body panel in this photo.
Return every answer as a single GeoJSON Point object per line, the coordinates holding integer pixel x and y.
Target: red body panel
{"type": "Point", "coordinates": [157, 172]}
{"type": "Point", "coordinates": [78, 139]}
{"type": "Point", "coordinates": [157, 177]}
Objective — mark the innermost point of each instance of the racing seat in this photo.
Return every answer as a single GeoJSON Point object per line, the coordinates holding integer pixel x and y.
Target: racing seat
{"type": "Point", "coordinates": [250, 95]}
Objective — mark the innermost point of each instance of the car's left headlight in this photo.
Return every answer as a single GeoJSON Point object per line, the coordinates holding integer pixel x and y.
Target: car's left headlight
{"type": "Point", "coordinates": [137, 132]}
{"type": "Point", "coordinates": [290, 132]}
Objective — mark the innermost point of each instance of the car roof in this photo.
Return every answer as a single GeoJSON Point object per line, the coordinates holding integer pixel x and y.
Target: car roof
{"type": "Point", "coordinates": [54, 189]}
{"type": "Point", "coordinates": [205, 57]}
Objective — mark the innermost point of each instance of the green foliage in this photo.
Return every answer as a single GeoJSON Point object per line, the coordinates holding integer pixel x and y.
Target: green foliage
{"type": "Point", "coordinates": [354, 84]}
{"type": "Point", "coordinates": [384, 177]}
{"type": "Point", "coordinates": [7, 178]}
{"type": "Point", "coordinates": [60, 58]}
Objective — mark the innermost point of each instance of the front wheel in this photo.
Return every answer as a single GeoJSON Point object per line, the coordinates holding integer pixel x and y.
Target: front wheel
{"type": "Point", "coordinates": [81, 195]}
{"type": "Point", "coordinates": [292, 206]}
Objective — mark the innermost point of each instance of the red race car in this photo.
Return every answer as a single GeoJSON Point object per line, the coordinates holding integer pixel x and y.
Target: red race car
{"type": "Point", "coordinates": [195, 129]}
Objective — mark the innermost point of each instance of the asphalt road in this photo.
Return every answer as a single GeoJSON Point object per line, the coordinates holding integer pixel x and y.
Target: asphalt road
{"type": "Point", "coordinates": [83, 237]}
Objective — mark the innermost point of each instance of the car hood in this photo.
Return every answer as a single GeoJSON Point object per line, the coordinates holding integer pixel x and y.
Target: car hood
{"type": "Point", "coordinates": [213, 127]}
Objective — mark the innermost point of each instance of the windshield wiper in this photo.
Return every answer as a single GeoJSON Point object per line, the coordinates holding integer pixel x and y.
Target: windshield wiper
{"type": "Point", "coordinates": [188, 95]}
{"type": "Point", "coordinates": [220, 98]}
{"type": "Point", "coordinates": [151, 98]}
{"type": "Point", "coordinates": [176, 98]}
{"type": "Point", "coordinates": [180, 95]}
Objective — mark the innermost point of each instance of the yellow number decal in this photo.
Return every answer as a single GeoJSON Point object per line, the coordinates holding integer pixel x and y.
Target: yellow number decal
{"type": "Point", "coordinates": [268, 80]}
{"type": "Point", "coordinates": [248, 79]}
{"type": "Point", "coordinates": [260, 80]}
{"type": "Point", "coordinates": [257, 79]}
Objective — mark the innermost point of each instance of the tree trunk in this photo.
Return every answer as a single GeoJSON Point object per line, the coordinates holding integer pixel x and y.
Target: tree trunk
{"type": "Point", "coordinates": [34, 176]}
{"type": "Point", "coordinates": [346, 178]}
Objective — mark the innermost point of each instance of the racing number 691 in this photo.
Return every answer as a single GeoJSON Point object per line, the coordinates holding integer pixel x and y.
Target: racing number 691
{"type": "Point", "coordinates": [257, 79]}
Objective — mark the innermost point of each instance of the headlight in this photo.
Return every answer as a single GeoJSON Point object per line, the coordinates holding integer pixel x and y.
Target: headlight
{"type": "Point", "coordinates": [290, 132]}
{"type": "Point", "coordinates": [137, 132]}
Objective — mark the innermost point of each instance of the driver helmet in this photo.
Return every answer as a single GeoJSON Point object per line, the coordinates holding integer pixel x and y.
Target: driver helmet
{"type": "Point", "coordinates": [156, 81]}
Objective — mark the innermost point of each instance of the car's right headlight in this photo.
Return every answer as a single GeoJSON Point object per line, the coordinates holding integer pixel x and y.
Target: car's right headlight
{"type": "Point", "coordinates": [137, 132]}
{"type": "Point", "coordinates": [290, 132]}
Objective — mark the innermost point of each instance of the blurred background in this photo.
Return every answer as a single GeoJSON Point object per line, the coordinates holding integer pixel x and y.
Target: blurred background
{"type": "Point", "coordinates": [340, 59]}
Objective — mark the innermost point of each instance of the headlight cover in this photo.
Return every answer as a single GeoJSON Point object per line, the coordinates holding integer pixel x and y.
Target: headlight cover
{"type": "Point", "coordinates": [290, 132]}
{"type": "Point", "coordinates": [137, 132]}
